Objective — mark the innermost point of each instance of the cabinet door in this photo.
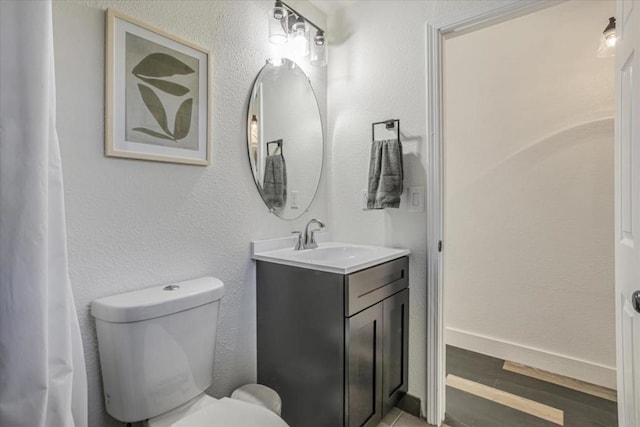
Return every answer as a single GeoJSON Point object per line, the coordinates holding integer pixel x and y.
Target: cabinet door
{"type": "Point", "coordinates": [363, 405]}
{"type": "Point", "coordinates": [395, 349]}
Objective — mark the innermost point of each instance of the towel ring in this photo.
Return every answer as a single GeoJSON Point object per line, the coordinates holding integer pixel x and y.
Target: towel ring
{"type": "Point", "coordinates": [279, 145]}
{"type": "Point", "coordinates": [388, 124]}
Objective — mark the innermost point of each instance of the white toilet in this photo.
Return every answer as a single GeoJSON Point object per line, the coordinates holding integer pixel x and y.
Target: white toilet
{"type": "Point", "coordinates": [156, 352]}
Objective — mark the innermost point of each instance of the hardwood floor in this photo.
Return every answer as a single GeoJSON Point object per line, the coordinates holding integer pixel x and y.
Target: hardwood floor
{"type": "Point", "coordinates": [571, 383]}
{"type": "Point", "coordinates": [513, 401]}
{"type": "Point", "coordinates": [483, 391]}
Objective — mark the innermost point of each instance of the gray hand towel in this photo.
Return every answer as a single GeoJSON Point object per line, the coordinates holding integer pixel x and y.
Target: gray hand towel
{"type": "Point", "coordinates": [385, 175]}
{"type": "Point", "coordinates": [274, 191]}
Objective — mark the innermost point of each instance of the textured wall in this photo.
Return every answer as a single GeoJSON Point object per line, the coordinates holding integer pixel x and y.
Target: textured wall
{"type": "Point", "coordinates": [377, 72]}
{"type": "Point", "coordinates": [529, 172]}
{"type": "Point", "coordinates": [133, 224]}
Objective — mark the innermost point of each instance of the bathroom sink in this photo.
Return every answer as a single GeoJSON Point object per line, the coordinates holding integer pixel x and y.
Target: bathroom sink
{"type": "Point", "coordinates": [339, 252]}
{"type": "Point", "coordinates": [332, 257]}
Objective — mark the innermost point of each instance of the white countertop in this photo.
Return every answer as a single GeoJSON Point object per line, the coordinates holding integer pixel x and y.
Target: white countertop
{"type": "Point", "coordinates": [332, 257]}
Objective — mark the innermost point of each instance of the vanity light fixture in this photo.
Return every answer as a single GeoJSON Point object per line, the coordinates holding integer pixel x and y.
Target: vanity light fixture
{"type": "Point", "coordinates": [253, 138]}
{"type": "Point", "coordinates": [609, 32]}
{"type": "Point", "coordinates": [608, 40]}
{"type": "Point", "coordinates": [277, 17]}
{"type": "Point", "coordinates": [287, 26]}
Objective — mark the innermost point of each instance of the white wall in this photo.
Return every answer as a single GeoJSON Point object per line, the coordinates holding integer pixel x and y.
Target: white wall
{"type": "Point", "coordinates": [529, 192]}
{"type": "Point", "coordinates": [377, 72]}
{"type": "Point", "coordinates": [133, 224]}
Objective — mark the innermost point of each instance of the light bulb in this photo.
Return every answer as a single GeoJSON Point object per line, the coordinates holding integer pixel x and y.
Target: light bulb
{"type": "Point", "coordinates": [277, 52]}
{"type": "Point", "coordinates": [253, 127]}
{"type": "Point", "coordinates": [611, 40]}
{"type": "Point", "coordinates": [276, 61]}
{"type": "Point", "coordinates": [299, 41]}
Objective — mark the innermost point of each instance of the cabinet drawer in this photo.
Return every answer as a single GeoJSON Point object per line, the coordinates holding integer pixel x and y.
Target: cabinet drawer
{"type": "Point", "coordinates": [367, 287]}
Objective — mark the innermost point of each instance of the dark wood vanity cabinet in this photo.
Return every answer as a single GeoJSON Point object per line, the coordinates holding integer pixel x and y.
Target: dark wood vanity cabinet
{"type": "Point", "coordinates": [395, 351]}
{"type": "Point", "coordinates": [333, 346]}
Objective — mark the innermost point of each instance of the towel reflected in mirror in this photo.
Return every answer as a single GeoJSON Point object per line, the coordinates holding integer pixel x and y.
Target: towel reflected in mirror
{"type": "Point", "coordinates": [274, 190]}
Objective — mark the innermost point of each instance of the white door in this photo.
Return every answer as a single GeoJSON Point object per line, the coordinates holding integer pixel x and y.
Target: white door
{"type": "Point", "coordinates": [627, 208]}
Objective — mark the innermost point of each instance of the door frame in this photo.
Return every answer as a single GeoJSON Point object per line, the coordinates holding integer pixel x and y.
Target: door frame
{"type": "Point", "coordinates": [436, 32]}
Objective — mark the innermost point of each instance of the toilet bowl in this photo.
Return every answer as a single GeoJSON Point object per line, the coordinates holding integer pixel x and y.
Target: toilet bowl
{"type": "Point", "coordinates": [157, 349]}
{"type": "Point", "coordinates": [205, 411]}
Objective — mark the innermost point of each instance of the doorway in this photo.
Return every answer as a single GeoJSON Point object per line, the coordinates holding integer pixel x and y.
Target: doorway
{"type": "Point", "coordinates": [528, 219]}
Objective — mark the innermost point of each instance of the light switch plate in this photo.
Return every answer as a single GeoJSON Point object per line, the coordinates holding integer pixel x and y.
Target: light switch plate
{"type": "Point", "coordinates": [415, 199]}
{"type": "Point", "coordinates": [364, 195]}
{"type": "Point", "coordinates": [295, 199]}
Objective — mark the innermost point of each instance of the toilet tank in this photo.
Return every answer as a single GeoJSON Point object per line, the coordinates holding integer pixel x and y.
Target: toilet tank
{"type": "Point", "coordinates": [157, 346]}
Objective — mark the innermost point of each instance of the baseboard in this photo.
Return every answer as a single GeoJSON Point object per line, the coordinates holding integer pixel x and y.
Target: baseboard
{"type": "Point", "coordinates": [553, 362]}
{"type": "Point", "coordinates": [410, 404]}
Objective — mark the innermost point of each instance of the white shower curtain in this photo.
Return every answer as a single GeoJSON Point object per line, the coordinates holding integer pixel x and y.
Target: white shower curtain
{"type": "Point", "coordinates": [42, 371]}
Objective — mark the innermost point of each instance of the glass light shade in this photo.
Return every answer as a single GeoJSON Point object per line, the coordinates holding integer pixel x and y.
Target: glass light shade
{"type": "Point", "coordinates": [277, 32]}
{"type": "Point", "coordinates": [607, 45]}
{"type": "Point", "coordinates": [278, 51]}
{"type": "Point", "coordinates": [318, 56]}
{"type": "Point", "coordinates": [299, 40]}
{"type": "Point", "coordinates": [610, 40]}
{"type": "Point", "coordinates": [276, 61]}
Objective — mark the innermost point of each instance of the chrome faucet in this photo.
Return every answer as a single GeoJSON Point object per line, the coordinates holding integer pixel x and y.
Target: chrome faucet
{"type": "Point", "coordinates": [308, 239]}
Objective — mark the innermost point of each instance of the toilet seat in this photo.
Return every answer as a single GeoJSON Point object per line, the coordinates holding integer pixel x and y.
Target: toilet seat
{"type": "Point", "coordinates": [232, 413]}
{"type": "Point", "coordinates": [209, 412]}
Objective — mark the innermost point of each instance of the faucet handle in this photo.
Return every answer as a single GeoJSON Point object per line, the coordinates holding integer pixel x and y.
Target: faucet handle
{"type": "Point", "coordinates": [299, 242]}
{"type": "Point", "coordinates": [311, 243]}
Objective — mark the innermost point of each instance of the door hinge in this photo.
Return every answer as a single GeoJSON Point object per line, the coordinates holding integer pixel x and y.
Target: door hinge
{"type": "Point", "coordinates": [440, 246]}
{"type": "Point", "coordinates": [635, 299]}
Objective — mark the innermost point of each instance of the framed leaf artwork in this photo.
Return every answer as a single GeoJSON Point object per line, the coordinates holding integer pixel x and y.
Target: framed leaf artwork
{"type": "Point", "coordinates": [157, 94]}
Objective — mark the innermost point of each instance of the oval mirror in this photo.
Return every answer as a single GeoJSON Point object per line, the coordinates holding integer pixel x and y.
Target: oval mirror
{"type": "Point", "coordinates": [285, 140]}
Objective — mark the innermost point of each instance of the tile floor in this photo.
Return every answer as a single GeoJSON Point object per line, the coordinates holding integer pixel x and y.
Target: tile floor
{"type": "Point", "coordinates": [399, 418]}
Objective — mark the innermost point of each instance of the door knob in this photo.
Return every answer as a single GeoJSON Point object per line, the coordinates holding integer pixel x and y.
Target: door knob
{"type": "Point", "coordinates": [635, 299]}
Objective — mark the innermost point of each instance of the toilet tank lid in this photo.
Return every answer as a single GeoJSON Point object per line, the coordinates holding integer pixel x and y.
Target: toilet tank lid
{"type": "Point", "coordinates": [157, 301]}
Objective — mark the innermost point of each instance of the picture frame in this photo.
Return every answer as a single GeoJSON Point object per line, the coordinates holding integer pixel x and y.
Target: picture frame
{"type": "Point", "coordinates": [157, 94]}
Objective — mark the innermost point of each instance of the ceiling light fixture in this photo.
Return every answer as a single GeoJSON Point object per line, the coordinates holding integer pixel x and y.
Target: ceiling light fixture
{"type": "Point", "coordinates": [287, 26]}
{"type": "Point", "coordinates": [608, 40]}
